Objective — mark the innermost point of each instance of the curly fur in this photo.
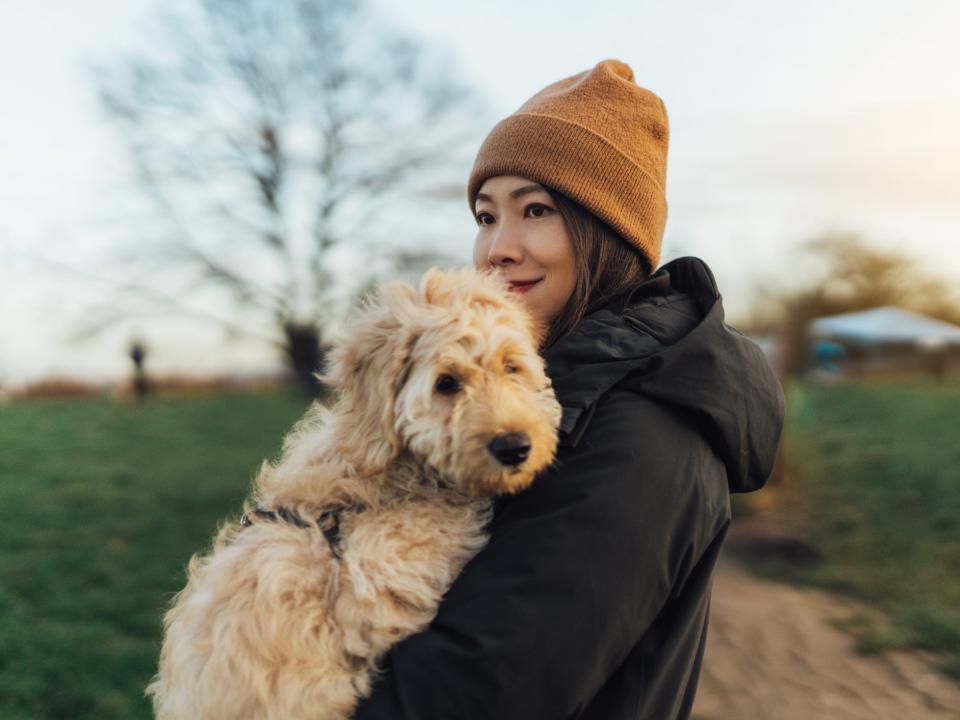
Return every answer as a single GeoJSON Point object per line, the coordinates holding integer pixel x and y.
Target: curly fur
{"type": "Point", "coordinates": [271, 625]}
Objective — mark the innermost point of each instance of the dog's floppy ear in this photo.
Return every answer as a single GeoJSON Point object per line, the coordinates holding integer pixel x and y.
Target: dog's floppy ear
{"type": "Point", "coordinates": [368, 369]}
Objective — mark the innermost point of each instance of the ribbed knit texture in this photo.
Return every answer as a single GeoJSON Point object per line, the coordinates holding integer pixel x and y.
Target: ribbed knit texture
{"type": "Point", "coordinates": [598, 138]}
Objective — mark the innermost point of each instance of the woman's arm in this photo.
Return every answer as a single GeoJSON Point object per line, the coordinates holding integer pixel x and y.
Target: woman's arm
{"type": "Point", "coordinates": [577, 568]}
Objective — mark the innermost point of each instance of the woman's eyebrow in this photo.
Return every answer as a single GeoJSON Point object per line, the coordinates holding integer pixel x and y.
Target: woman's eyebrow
{"type": "Point", "coordinates": [525, 190]}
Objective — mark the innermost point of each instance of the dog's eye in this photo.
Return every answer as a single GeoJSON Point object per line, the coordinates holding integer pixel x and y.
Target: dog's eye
{"type": "Point", "coordinates": [447, 385]}
{"type": "Point", "coordinates": [510, 368]}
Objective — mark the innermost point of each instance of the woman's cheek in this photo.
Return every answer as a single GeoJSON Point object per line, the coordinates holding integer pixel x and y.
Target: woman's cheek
{"type": "Point", "coordinates": [480, 253]}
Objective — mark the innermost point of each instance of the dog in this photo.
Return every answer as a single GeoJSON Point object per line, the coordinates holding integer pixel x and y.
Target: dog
{"type": "Point", "coordinates": [350, 541]}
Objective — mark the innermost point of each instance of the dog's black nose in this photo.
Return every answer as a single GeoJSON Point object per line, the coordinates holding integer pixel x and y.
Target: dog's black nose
{"type": "Point", "coordinates": [510, 449]}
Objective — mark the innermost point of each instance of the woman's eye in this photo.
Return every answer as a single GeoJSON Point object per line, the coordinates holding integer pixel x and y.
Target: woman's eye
{"type": "Point", "coordinates": [484, 218]}
{"type": "Point", "coordinates": [447, 385]}
{"type": "Point", "coordinates": [537, 211]}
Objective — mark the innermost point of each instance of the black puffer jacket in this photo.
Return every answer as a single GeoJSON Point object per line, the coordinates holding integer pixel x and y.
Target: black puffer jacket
{"type": "Point", "coordinates": [591, 599]}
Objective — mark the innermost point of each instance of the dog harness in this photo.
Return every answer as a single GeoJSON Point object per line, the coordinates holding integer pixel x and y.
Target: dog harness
{"type": "Point", "coordinates": [328, 522]}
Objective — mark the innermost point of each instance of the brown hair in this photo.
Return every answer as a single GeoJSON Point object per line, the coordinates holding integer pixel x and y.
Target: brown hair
{"type": "Point", "coordinates": [608, 269]}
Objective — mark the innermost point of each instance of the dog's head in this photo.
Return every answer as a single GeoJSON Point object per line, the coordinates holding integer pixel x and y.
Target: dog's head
{"type": "Point", "coordinates": [449, 373]}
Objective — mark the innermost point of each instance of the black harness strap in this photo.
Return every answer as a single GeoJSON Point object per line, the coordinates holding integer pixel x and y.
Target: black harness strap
{"type": "Point", "coordinates": [328, 522]}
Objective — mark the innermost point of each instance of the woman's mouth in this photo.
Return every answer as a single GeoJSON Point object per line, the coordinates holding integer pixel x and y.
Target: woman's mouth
{"type": "Point", "coordinates": [522, 286]}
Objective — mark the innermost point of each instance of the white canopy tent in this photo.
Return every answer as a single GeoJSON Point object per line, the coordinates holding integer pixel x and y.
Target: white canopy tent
{"type": "Point", "coordinates": [884, 340]}
{"type": "Point", "coordinates": [887, 325]}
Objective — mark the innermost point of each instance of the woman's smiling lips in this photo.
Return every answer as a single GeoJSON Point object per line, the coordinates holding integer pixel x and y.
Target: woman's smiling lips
{"type": "Point", "coordinates": [522, 286]}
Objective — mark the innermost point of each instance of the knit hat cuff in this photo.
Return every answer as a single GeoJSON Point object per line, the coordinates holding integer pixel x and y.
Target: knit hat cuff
{"type": "Point", "coordinates": [583, 166]}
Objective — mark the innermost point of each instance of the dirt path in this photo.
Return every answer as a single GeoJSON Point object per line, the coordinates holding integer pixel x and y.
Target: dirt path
{"type": "Point", "coordinates": [773, 654]}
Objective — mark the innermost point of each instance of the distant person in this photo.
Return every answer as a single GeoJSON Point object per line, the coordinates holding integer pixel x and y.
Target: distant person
{"type": "Point", "coordinates": [138, 354]}
{"type": "Point", "coordinates": [591, 599]}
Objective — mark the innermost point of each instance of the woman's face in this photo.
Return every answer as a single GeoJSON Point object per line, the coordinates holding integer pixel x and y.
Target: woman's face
{"type": "Point", "coordinates": [522, 235]}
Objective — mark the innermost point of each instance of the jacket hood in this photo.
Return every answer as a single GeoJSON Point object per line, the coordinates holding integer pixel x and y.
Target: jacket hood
{"type": "Point", "coordinates": [670, 343]}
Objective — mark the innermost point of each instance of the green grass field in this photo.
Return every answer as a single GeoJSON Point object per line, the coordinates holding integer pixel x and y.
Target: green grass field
{"type": "Point", "coordinates": [101, 505]}
{"type": "Point", "coordinates": [876, 472]}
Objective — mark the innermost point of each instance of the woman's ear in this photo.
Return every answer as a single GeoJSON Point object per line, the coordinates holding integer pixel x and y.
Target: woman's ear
{"type": "Point", "coordinates": [368, 369]}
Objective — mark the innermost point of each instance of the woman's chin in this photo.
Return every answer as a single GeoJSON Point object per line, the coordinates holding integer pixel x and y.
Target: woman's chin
{"type": "Point", "coordinates": [532, 308]}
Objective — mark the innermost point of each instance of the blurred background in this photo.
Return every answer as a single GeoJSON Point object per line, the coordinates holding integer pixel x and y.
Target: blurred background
{"type": "Point", "coordinates": [194, 192]}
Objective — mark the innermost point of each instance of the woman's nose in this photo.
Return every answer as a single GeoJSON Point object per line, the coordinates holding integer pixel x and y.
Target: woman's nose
{"type": "Point", "coordinates": [506, 248]}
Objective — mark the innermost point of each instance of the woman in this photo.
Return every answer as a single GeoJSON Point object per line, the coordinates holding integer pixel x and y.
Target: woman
{"type": "Point", "coordinates": [591, 600]}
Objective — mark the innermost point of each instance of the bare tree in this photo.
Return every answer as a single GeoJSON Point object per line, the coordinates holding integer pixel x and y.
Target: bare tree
{"type": "Point", "coordinates": [268, 135]}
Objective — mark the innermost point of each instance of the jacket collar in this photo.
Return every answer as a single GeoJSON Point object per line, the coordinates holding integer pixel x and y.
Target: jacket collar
{"type": "Point", "coordinates": [670, 342]}
{"type": "Point", "coordinates": [614, 341]}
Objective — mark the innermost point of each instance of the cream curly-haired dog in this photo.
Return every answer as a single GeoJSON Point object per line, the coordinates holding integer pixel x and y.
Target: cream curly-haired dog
{"type": "Point", "coordinates": [353, 538]}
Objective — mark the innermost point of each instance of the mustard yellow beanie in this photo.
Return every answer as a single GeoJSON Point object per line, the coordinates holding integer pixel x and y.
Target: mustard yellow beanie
{"type": "Point", "coordinates": [598, 138]}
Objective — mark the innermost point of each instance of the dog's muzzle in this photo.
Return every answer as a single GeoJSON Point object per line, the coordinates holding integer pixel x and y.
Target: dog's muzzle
{"type": "Point", "coordinates": [511, 449]}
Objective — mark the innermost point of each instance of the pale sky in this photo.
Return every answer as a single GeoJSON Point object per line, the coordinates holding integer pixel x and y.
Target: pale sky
{"type": "Point", "coordinates": [787, 120]}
